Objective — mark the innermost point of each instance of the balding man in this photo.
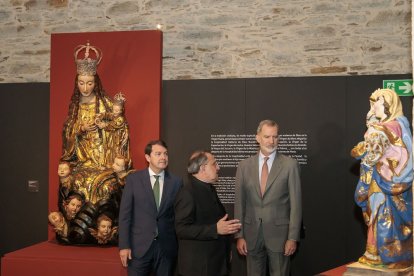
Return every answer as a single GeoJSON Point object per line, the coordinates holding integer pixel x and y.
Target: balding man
{"type": "Point", "coordinates": [201, 223]}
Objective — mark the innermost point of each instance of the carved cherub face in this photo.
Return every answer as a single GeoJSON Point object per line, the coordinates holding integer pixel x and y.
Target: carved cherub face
{"type": "Point", "coordinates": [119, 164]}
{"type": "Point", "coordinates": [63, 170]}
{"type": "Point", "coordinates": [56, 219]}
{"type": "Point", "coordinates": [104, 228]}
{"type": "Point", "coordinates": [73, 207]}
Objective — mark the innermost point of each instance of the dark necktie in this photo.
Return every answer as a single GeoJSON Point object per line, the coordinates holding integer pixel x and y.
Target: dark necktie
{"type": "Point", "coordinates": [156, 190]}
{"type": "Point", "coordinates": [265, 174]}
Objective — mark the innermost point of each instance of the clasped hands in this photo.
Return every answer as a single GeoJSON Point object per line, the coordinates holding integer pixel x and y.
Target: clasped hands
{"type": "Point", "coordinates": [227, 227]}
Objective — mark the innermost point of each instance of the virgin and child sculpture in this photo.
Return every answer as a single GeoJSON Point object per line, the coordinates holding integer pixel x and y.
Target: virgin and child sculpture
{"type": "Point", "coordinates": [95, 158]}
{"type": "Point", "coordinates": [384, 190]}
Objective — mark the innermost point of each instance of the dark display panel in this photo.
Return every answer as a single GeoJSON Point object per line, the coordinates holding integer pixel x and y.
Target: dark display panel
{"type": "Point", "coordinates": [24, 145]}
{"type": "Point", "coordinates": [320, 118]}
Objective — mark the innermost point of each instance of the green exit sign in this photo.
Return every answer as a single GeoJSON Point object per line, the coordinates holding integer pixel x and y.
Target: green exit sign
{"type": "Point", "coordinates": [401, 87]}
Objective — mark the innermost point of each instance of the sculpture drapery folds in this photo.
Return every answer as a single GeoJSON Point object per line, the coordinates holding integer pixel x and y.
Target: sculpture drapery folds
{"type": "Point", "coordinates": [384, 190]}
{"type": "Point", "coordinates": [95, 158]}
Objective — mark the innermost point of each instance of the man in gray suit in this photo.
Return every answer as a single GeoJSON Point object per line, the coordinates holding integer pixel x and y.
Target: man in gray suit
{"type": "Point", "coordinates": [268, 203]}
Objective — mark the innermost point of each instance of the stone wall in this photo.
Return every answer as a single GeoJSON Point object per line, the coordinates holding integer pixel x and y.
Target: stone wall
{"type": "Point", "coordinates": [206, 39]}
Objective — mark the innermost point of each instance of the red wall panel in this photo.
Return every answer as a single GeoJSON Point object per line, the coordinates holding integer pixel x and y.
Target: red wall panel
{"type": "Point", "coordinates": [131, 64]}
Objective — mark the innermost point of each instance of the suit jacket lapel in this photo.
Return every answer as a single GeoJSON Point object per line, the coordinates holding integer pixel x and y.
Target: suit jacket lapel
{"type": "Point", "coordinates": [274, 172]}
{"type": "Point", "coordinates": [148, 190]}
{"type": "Point", "coordinates": [166, 192]}
{"type": "Point", "coordinates": [255, 174]}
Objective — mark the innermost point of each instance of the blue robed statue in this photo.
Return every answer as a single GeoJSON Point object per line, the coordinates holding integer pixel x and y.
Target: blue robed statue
{"type": "Point", "coordinates": [384, 187]}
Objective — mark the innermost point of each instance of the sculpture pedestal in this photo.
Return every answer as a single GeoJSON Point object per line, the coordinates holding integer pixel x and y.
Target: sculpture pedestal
{"type": "Point", "coordinates": [50, 258]}
{"type": "Point", "coordinates": [357, 269]}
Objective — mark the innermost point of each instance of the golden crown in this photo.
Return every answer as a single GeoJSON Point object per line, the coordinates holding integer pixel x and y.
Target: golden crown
{"type": "Point", "coordinates": [120, 98]}
{"type": "Point", "coordinates": [87, 65]}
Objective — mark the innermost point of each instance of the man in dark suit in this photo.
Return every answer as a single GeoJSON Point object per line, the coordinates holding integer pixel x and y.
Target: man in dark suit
{"type": "Point", "coordinates": [268, 203]}
{"type": "Point", "coordinates": [201, 221]}
{"type": "Point", "coordinates": [147, 239]}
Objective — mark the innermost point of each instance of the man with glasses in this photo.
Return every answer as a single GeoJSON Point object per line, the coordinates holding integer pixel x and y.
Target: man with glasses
{"type": "Point", "coordinates": [201, 223]}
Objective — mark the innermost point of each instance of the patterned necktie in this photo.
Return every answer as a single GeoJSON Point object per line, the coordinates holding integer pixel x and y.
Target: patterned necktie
{"type": "Point", "coordinates": [156, 190]}
{"type": "Point", "coordinates": [265, 174]}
